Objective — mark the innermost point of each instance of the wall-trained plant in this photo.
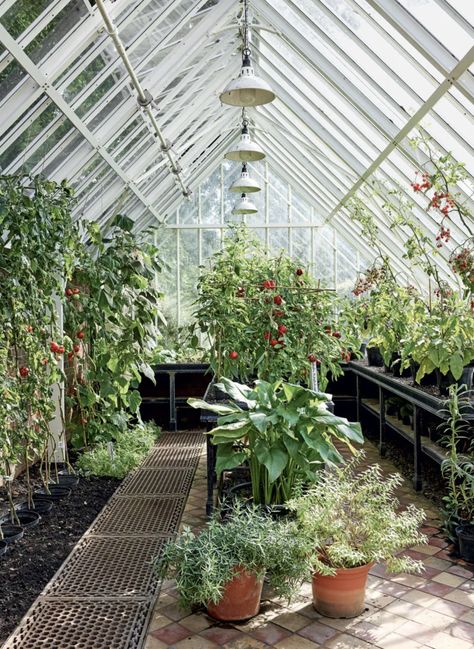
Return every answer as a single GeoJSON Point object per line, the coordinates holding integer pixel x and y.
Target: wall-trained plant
{"type": "Point", "coordinates": [111, 317]}
{"type": "Point", "coordinates": [36, 256]}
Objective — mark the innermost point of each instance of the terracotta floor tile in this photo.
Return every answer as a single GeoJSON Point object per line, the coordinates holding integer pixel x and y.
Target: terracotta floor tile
{"type": "Point", "coordinates": [436, 562]}
{"type": "Point", "coordinates": [175, 612]}
{"type": "Point", "coordinates": [416, 631]}
{"type": "Point", "coordinates": [270, 633]}
{"type": "Point", "coordinates": [158, 621]}
{"type": "Point", "coordinates": [397, 641]}
{"type": "Point", "coordinates": [291, 620]}
{"type": "Point", "coordinates": [404, 609]}
{"type": "Point", "coordinates": [419, 598]}
{"type": "Point", "coordinates": [309, 611]}
{"type": "Point", "coordinates": [446, 641]}
{"type": "Point", "coordinates": [154, 643]}
{"type": "Point", "coordinates": [296, 642]}
{"type": "Point", "coordinates": [461, 597]}
{"type": "Point", "coordinates": [433, 588]}
{"type": "Point", "coordinates": [345, 641]}
{"type": "Point", "coordinates": [369, 632]}
{"type": "Point", "coordinates": [195, 642]}
{"type": "Point", "coordinates": [461, 572]}
{"type": "Point", "coordinates": [467, 616]}
{"type": "Point", "coordinates": [318, 632]}
{"type": "Point", "coordinates": [412, 581]}
{"type": "Point", "coordinates": [221, 634]}
{"type": "Point", "coordinates": [460, 629]}
{"type": "Point", "coordinates": [393, 588]}
{"type": "Point", "coordinates": [433, 619]}
{"type": "Point", "coordinates": [171, 634]}
{"type": "Point", "coordinates": [245, 642]}
{"type": "Point", "coordinates": [449, 579]}
{"type": "Point", "coordinates": [425, 549]}
{"type": "Point", "coordinates": [452, 609]}
{"type": "Point", "coordinates": [196, 623]}
{"type": "Point", "coordinates": [387, 620]}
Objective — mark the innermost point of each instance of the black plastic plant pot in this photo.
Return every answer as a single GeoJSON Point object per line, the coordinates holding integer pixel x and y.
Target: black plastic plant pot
{"type": "Point", "coordinates": [465, 534]}
{"type": "Point", "coordinates": [28, 517]}
{"type": "Point", "coordinates": [3, 547]}
{"type": "Point", "coordinates": [68, 480]}
{"type": "Point", "coordinates": [12, 533]}
{"type": "Point", "coordinates": [374, 357]}
{"type": "Point", "coordinates": [56, 492]}
{"type": "Point", "coordinates": [41, 507]}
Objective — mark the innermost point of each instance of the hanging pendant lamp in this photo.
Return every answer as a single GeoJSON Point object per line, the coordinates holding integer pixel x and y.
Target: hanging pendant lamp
{"type": "Point", "coordinates": [244, 206]}
{"type": "Point", "coordinates": [245, 150]}
{"type": "Point", "coordinates": [245, 184]}
{"type": "Point", "coordinates": [247, 89]}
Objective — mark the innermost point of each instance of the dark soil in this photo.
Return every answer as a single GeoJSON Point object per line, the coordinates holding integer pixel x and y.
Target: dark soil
{"type": "Point", "coordinates": [30, 563]}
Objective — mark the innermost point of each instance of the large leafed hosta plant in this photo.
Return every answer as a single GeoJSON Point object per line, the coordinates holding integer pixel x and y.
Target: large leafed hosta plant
{"type": "Point", "coordinates": [285, 432]}
{"type": "Point", "coordinates": [266, 317]}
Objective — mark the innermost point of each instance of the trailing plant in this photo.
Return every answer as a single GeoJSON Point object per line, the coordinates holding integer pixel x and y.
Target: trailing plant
{"type": "Point", "coordinates": [118, 457]}
{"type": "Point", "coordinates": [353, 519]}
{"type": "Point", "coordinates": [265, 317]}
{"type": "Point", "coordinates": [458, 467]}
{"type": "Point", "coordinates": [39, 247]}
{"type": "Point", "coordinates": [285, 432]}
{"type": "Point", "coordinates": [111, 316]}
{"type": "Point", "coordinates": [203, 563]}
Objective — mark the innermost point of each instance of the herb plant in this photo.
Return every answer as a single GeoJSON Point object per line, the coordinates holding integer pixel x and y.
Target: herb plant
{"type": "Point", "coordinates": [458, 467]}
{"type": "Point", "coordinates": [203, 563]}
{"type": "Point", "coordinates": [354, 519]}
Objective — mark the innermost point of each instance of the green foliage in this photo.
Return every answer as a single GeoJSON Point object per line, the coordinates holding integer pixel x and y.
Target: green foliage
{"type": "Point", "coordinates": [39, 242]}
{"type": "Point", "coordinates": [354, 519]}
{"type": "Point", "coordinates": [442, 338]}
{"type": "Point", "coordinates": [202, 564]}
{"type": "Point", "coordinates": [458, 467]}
{"type": "Point", "coordinates": [129, 448]}
{"type": "Point", "coordinates": [113, 323]}
{"type": "Point", "coordinates": [270, 312]}
{"type": "Point", "coordinates": [285, 432]}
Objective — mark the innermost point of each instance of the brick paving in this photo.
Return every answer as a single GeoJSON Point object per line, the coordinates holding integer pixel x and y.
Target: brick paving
{"type": "Point", "coordinates": [434, 610]}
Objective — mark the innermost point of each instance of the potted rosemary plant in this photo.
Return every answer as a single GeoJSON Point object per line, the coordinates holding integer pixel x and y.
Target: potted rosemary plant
{"type": "Point", "coordinates": [354, 522]}
{"type": "Point", "coordinates": [222, 568]}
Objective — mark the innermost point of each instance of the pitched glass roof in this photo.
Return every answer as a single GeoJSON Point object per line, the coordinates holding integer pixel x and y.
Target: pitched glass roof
{"type": "Point", "coordinates": [353, 78]}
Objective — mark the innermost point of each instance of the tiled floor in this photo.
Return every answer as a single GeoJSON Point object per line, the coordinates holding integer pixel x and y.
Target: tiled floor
{"type": "Point", "coordinates": [433, 611]}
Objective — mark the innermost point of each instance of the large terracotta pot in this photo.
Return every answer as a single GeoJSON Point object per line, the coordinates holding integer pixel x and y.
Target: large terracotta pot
{"type": "Point", "coordinates": [241, 599]}
{"type": "Point", "coordinates": [342, 594]}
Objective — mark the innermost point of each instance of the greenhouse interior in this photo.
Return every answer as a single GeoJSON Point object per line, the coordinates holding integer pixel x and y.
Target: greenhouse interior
{"type": "Point", "coordinates": [237, 324]}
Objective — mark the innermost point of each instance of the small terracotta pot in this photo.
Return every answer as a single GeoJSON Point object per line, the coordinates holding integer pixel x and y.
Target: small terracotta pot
{"type": "Point", "coordinates": [342, 594]}
{"type": "Point", "coordinates": [241, 599]}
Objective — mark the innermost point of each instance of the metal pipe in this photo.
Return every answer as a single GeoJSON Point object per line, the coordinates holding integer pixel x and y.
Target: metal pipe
{"type": "Point", "coordinates": [144, 98]}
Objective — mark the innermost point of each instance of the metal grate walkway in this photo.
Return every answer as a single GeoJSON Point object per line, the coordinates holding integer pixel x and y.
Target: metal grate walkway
{"type": "Point", "coordinates": [104, 593]}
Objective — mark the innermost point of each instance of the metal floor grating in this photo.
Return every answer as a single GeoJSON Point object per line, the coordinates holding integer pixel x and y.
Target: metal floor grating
{"type": "Point", "coordinates": [140, 515]}
{"type": "Point", "coordinates": [150, 481]}
{"type": "Point", "coordinates": [111, 624]}
{"type": "Point", "coordinates": [182, 439]}
{"type": "Point", "coordinates": [173, 456]}
{"type": "Point", "coordinates": [108, 567]}
{"type": "Point", "coordinates": [103, 595]}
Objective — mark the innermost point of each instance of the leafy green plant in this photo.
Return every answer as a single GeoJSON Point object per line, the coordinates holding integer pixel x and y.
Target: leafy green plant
{"type": "Point", "coordinates": [442, 338]}
{"type": "Point", "coordinates": [116, 459]}
{"type": "Point", "coordinates": [458, 467]}
{"type": "Point", "coordinates": [265, 317]}
{"type": "Point", "coordinates": [39, 247]}
{"type": "Point", "coordinates": [203, 563]}
{"type": "Point", "coordinates": [353, 519]}
{"type": "Point", "coordinates": [111, 315]}
{"type": "Point", "coordinates": [285, 432]}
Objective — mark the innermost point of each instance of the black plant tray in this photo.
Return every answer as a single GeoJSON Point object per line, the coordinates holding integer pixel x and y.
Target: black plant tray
{"type": "Point", "coordinates": [55, 493]}
{"type": "Point", "coordinates": [41, 507]}
{"type": "Point", "coordinates": [28, 517]}
{"type": "Point", "coordinates": [11, 532]}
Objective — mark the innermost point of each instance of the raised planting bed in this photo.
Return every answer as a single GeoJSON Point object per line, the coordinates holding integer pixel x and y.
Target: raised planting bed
{"type": "Point", "coordinates": [29, 564]}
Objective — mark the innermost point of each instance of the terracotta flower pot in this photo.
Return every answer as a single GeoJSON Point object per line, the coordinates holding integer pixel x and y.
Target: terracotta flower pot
{"type": "Point", "coordinates": [241, 599]}
{"type": "Point", "coordinates": [342, 594]}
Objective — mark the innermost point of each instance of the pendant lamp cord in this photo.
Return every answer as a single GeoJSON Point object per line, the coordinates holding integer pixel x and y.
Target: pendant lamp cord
{"type": "Point", "coordinates": [246, 29]}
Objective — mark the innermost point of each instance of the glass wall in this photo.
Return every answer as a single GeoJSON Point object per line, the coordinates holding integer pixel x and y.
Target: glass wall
{"type": "Point", "coordinates": [285, 221]}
